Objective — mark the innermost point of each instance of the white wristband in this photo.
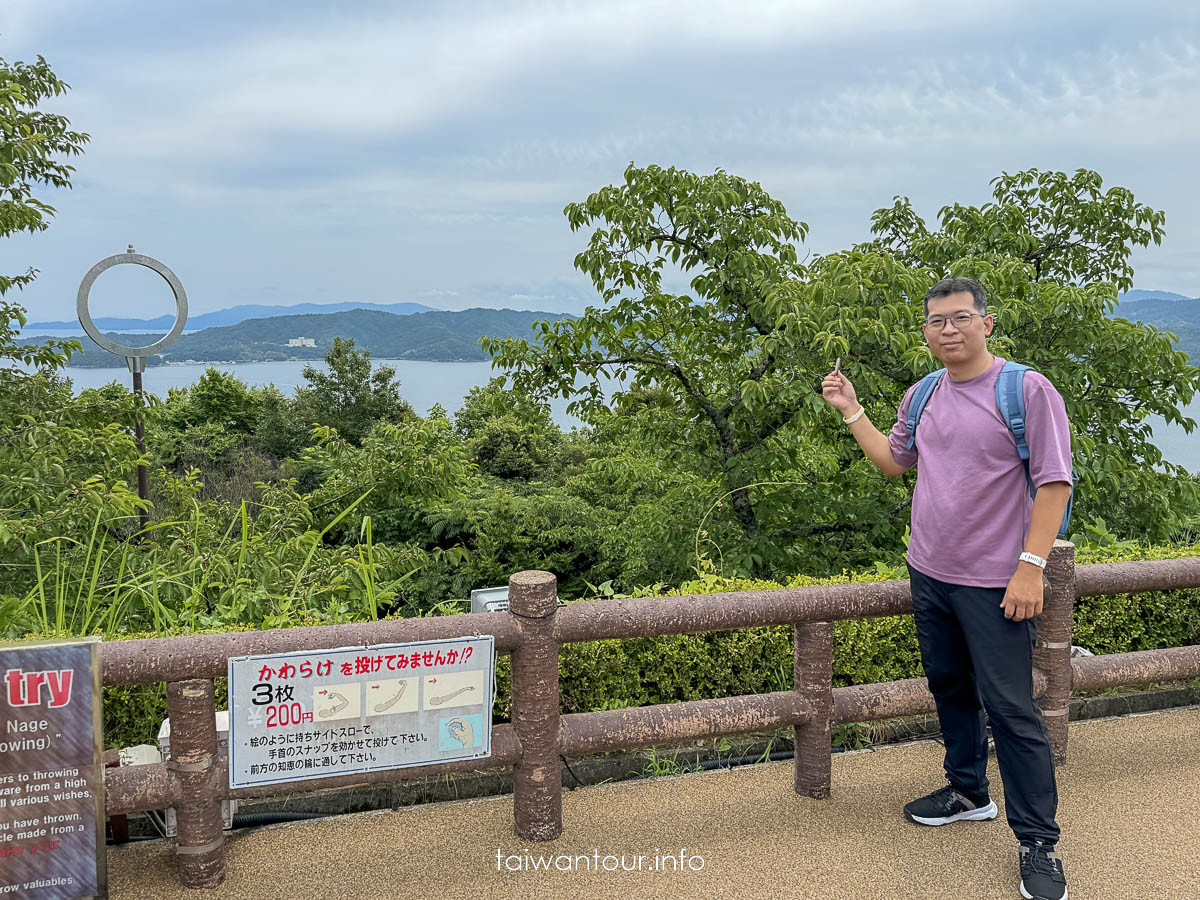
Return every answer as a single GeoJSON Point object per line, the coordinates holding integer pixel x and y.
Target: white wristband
{"type": "Point", "coordinates": [850, 420]}
{"type": "Point", "coordinates": [1030, 558]}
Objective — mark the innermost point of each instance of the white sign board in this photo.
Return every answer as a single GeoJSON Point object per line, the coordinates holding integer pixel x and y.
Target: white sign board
{"type": "Point", "coordinates": [313, 714]}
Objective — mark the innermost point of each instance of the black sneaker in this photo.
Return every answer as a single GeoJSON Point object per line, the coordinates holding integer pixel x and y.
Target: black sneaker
{"type": "Point", "coordinates": [947, 805]}
{"type": "Point", "coordinates": [1042, 875]}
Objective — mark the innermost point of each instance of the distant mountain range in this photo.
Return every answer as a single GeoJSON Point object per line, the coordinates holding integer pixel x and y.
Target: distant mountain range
{"type": "Point", "coordinates": [236, 314]}
{"type": "Point", "coordinates": [434, 335]}
{"type": "Point", "coordinates": [413, 331]}
{"type": "Point", "coordinates": [1179, 316]}
{"type": "Point", "coordinates": [1133, 296]}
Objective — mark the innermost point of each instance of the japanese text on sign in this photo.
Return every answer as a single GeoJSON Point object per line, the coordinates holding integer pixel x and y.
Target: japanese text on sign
{"type": "Point", "coordinates": [314, 714]}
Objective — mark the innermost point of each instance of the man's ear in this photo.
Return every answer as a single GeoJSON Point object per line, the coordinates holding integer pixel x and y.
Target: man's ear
{"type": "Point", "coordinates": [989, 327]}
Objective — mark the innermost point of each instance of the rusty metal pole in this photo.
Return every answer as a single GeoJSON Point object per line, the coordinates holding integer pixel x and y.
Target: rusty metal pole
{"type": "Point", "coordinates": [814, 681]}
{"type": "Point", "coordinates": [1052, 652]}
{"type": "Point", "coordinates": [199, 836]}
{"type": "Point", "coordinates": [139, 437]}
{"type": "Point", "coordinates": [537, 776]}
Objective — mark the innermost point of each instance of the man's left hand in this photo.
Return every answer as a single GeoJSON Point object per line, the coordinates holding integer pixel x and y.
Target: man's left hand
{"type": "Point", "coordinates": [1023, 596]}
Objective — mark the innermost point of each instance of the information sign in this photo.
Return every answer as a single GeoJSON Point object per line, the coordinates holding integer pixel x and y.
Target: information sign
{"type": "Point", "coordinates": [51, 771]}
{"type": "Point", "coordinates": [313, 714]}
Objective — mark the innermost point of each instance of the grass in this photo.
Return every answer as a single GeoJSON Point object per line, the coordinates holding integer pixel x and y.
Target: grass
{"type": "Point", "coordinates": [659, 764]}
{"type": "Point", "coordinates": [852, 736]}
{"type": "Point", "coordinates": [184, 575]}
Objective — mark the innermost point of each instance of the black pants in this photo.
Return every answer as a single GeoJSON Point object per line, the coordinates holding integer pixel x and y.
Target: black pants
{"type": "Point", "coordinates": [970, 653]}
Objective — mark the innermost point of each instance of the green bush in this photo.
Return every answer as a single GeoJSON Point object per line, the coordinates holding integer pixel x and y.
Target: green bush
{"type": "Point", "coordinates": [133, 713]}
{"type": "Point", "coordinates": [675, 668]}
{"type": "Point", "coordinates": [1122, 623]}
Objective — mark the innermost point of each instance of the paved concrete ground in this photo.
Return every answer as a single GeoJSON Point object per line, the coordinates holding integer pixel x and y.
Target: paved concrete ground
{"type": "Point", "coordinates": [1129, 802]}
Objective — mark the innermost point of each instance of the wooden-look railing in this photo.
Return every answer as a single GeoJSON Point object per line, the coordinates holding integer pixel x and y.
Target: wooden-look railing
{"type": "Point", "coordinates": [196, 777]}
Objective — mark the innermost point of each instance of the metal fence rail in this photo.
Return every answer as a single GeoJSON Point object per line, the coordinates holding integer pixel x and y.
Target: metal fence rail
{"type": "Point", "coordinates": [196, 777]}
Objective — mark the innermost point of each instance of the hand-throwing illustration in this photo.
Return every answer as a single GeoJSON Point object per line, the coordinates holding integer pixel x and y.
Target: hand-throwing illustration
{"type": "Point", "coordinates": [391, 696]}
{"type": "Point", "coordinates": [338, 703]}
{"type": "Point", "coordinates": [461, 730]}
{"type": "Point", "coordinates": [438, 701]}
{"type": "Point", "coordinates": [393, 700]}
{"type": "Point", "coordinates": [449, 689]}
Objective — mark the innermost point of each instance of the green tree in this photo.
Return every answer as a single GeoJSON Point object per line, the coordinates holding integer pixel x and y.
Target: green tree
{"type": "Point", "coordinates": [724, 371]}
{"type": "Point", "coordinates": [722, 382]}
{"type": "Point", "coordinates": [280, 431]}
{"type": "Point", "coordinates": [508, 434]}
{"type": "Point", "coordinates": [225, 400]}
{"type": "Point", "coordinates": [205, 423]}
{"type": "Point", "coordinates": [34, 146]}
{"type": "Point", "coordinates": [399, 470]}
{"type": "Point", "coordinates": [653, 515]}
{"type": "Point", "coordinates": [488, 401]}
{"type": "Point", "coordinates": [350, 397]}
{"type": "Point", "coordinates": [232, 435]}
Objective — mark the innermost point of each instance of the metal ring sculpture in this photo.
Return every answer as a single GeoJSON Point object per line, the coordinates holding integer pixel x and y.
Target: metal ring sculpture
{"type": "Point", "coordinates": [131, 353]}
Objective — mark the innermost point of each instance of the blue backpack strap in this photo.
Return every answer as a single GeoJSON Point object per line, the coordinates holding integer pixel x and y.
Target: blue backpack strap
{"type": "Point", "coordinates": [1010, 399]}
{"type": "Point", "coordinates": [1064, 527]}
{"type": "Point", "coordinates": [918, 402]}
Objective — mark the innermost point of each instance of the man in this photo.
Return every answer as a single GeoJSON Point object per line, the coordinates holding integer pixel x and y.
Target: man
{"type": "Point", "coordinates": [976, 553]}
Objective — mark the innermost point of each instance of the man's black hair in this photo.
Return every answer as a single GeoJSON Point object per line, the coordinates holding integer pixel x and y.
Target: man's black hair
{"type": "Point", "coordinates": [948, 286]}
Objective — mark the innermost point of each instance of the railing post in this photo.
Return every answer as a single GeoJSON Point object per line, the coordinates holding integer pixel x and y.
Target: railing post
{"type": "Point", "coordinates": [199, 836]}
{"type": "Point", "coordinates": [537, 776]}
{"type": "Point", "coordinates": [1052, 652]}
{"type": "Point", "coordinates": [813, 670]}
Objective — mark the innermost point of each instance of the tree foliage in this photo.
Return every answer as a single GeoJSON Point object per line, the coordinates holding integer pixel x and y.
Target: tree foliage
{"type": "Point", "coordinates": [350, 396]}
{"type": "Point", "coordinates": [722, 380]}
{"type": "Point", "coordinates": [508, 434]}
{"type": "Point", "coordinates": [1066, 228]}
{"type": "Point", "coordinates": [34, 147]}
{"type": "Point", "coordinates": [723, 371]}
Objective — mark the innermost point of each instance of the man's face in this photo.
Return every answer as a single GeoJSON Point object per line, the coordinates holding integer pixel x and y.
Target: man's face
{"type": "Point", "coordinates": [955, 341]}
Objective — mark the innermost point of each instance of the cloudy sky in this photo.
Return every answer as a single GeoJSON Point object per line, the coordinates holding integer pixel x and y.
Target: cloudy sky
{"type": "Point", "coordinates": [279, 152]}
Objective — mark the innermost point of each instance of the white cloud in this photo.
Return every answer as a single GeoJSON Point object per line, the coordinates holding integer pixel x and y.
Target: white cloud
{"type": "Point", "coordinates": [392, 74]}
{"type": "Point", "coordinates": [435, 148]}
{"type": "Point", "coordinates": [952, 104]}
{"type": "Point", "coordinates": [24, 21]}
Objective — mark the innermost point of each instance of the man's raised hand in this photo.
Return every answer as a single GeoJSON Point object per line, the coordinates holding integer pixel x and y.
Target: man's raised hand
{"type": "Point", "coordinates": [839, 392]}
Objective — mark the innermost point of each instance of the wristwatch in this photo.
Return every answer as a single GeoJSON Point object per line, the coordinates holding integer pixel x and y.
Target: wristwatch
{"type": "Point", "coordinates": [1030, 558]}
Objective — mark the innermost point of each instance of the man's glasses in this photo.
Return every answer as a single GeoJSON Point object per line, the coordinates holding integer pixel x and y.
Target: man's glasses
{"type": "Point", "coordinates": [958, 320]}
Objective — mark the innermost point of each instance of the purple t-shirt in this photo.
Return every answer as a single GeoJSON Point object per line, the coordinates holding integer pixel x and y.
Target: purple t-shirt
{"type": "Point", "coordinates": [971, 508]}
